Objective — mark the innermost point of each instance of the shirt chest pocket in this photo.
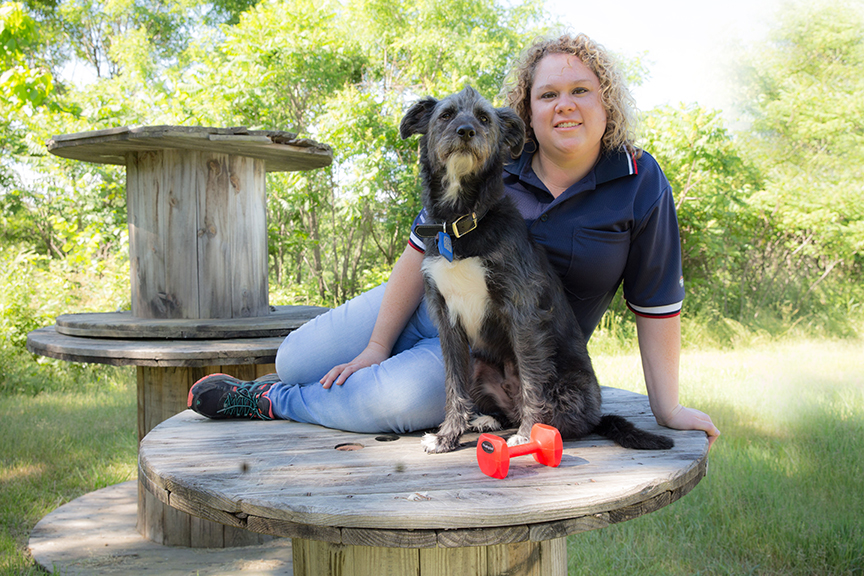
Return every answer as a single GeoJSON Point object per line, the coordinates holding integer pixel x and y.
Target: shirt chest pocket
{"type": "Point", "coordinates": [595, 262]}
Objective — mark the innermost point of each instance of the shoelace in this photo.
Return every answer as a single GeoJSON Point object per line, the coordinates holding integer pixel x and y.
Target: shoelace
{"type": "Point", "coordinates": [243, 402]}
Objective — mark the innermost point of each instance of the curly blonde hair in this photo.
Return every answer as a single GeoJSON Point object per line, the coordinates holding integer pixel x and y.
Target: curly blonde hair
{"type": "Point", "coordinates": [614, 95]}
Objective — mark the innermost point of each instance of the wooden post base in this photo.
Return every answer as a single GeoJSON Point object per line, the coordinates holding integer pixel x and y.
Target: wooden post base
{"type": "Point", "coordinates": [162, 393]}
{"type": "Point", "coordinates": [314, 558]}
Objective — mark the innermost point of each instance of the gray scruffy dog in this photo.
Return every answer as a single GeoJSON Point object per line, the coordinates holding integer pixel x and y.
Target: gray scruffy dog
{"type": "Point", "coordinates": [510, 341]}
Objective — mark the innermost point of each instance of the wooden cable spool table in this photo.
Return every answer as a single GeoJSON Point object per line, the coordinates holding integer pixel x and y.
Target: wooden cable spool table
{"type": "Point", "coordinates": [197, 218]}
{"type": "Point", "coordinates": [373, 505]}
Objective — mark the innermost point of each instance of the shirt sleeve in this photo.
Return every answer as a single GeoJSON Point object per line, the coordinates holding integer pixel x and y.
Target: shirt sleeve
{"type": "Point", "coordinates": [653, 280]}
{"type": "Point", "coordinates": [413, 240]}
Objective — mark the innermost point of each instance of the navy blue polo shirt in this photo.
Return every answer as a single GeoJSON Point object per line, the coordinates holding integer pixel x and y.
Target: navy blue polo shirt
{"type": "Point", "coordinates": [618, 224]}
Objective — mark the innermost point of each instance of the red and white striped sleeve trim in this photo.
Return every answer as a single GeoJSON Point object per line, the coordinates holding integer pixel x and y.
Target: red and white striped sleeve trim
{"type": "Point", "coordinates": [413, 239]}
{"type": "Point", "coordinates": [668, 311]}
{"type": "Point", "coordinates": [416, 242]}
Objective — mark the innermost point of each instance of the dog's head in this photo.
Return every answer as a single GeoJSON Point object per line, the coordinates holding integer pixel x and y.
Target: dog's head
{"type": "Point", "coordinates": [463, 133]}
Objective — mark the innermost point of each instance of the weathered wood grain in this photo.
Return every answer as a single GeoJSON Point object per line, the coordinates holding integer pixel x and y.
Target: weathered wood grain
{"type": "Point", "coordinates": [146, 248]}
{"type": "Point", "coordinates": [47, 342]}
{"type": "Point", "coordinates": [292, 473]}
{"type": "Point", "coordinates": [444, 561]}
{"type": "Point", "coordinates": [314, 558]}
{"type": "Point", "coordinates": [553, 557]}
{"type": "Point", "coordinates": [177, 220]}
{"type": "Point", "coordinates": [293, 530]}
{"type": "Point", "coordinates": [163, 511]}
{"type": "Point", "coordinates": [247, 202]}
{"type": "Point", "coordinates": [122, 325]}
{"type": "Point", "coordinates": [199, 224]}
{"type": "Point", "coordinates": [280, 151]}
{"type": "Point", "coordinates": [389, 538]}
{"type": "Point", "coordinates": [482, 536]}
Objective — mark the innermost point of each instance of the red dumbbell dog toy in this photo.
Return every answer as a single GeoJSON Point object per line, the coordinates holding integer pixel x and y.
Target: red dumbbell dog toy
{"type": "Point", "coordinates": [493, 454]}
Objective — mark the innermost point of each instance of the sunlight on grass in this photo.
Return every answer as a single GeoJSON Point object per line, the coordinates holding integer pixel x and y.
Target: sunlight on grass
{"type": "Point", "coordinates": [784, 492]}
{"type": "Point", "coordinates": [22, 472]}
{"type": "Point", "coordinates": [58, 446]}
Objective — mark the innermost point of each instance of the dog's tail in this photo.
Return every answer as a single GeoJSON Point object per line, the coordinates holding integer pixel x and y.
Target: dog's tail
{"type": "Point", "coordinates": [627, 435]}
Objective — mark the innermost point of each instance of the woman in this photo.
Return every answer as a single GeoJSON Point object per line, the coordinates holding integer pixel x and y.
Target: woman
{"type": "Point", "coordinates": [603, 212]}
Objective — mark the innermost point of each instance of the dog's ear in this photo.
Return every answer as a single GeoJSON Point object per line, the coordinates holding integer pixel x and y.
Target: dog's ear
{"type": "Point", "coordinates": [512, 130]}
{"type": "Point", "coordinates": [416, 120]}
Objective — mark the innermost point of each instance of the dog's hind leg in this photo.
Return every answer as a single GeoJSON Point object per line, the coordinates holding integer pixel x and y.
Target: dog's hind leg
{"type": "Point", "coordinates": [484, 423]}
{"type": "Point", "coordinates": [488, 395]}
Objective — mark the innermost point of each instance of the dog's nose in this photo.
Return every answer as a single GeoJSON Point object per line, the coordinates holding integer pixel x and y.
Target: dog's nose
{"type": "Point", "coordinates": [466, 132]}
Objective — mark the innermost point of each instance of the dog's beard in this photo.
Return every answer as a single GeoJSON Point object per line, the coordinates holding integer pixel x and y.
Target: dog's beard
{"type": "Point", "coordinates": [457, 166]}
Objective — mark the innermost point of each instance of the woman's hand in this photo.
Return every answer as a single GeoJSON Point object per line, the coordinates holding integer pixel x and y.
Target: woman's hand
{"type": "Point", "coordinates": [683, 418]}
{"type": "Point", "coordinates": [371, 355]}
{"type": "Point", "coordinates": [660, 347]}
{"type": "Point", "coordinates": [402, 295]}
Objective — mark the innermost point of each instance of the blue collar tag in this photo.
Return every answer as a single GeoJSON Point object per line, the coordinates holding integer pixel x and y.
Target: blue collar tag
{"type": "Point", "coordinates": [445, 246]}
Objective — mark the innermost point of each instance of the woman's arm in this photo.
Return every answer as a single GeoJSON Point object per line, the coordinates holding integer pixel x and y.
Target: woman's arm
{"type": "Point", "coordinates": [660, 347]}
{"type": "Point", "coordinates": [402, 295]}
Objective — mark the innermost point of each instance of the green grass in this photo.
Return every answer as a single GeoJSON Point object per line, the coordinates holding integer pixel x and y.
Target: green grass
{"type": "Point", "coordinates": [785, 488]}
{"type": "Point", "coordinates": [57, 445]}
{"type": "Point", "coordinates": [784, 493]}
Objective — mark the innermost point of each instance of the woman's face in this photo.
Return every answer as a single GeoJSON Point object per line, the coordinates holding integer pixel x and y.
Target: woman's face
{"type": "Point", "coordinates": [567, 114]}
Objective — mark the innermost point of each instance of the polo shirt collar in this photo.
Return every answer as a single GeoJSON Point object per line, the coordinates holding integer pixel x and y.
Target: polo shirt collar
{"type": "Point", "coordinates": [611, 166]}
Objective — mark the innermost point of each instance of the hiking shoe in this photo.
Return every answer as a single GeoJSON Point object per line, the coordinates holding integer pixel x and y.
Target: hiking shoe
{"type": "Point", "coordinates": [221, 396]}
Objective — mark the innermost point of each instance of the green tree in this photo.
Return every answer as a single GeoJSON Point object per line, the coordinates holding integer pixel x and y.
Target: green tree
{"type": "Point", "coordinates": [343, 73]}
{"type": "Point", "coordinates": [805, 87]}
{"type": "Point", "coordinates": [25, 87]}
{"type": "Point", "coordinates": [24, 84]}
{"type": "Point", "coordinates": [711, 183]}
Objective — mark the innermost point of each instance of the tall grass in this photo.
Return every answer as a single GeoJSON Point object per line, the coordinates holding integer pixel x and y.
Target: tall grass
{"type": "Point", "coordinates": [59, 444]}
{"type": "Point", "coordinates": [784, 493]}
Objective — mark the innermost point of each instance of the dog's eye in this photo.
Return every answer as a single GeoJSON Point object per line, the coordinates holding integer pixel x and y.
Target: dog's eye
{"type": "Point", "coordinates": [483, 118]}
{"type": "Point", "coordinates": [446, 115]}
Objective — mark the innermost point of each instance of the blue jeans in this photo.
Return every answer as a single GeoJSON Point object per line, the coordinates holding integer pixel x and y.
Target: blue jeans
{"type": "Point", "coordinates": [402, 394]}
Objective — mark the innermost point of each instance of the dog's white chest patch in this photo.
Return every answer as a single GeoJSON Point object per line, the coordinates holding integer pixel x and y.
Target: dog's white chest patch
{"type": "Point", "coordinates": [463, 285]}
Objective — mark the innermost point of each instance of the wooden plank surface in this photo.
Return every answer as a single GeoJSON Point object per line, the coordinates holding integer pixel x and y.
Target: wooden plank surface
{"type": "Point", "coordinates": [145, 245]}
{"type": "Point", "coordinates": [281, 151]}
{"type": "Point", "coordinates": [279, 322]}
{"type": "Point", "coordinates": [247, 203]}
{"type": "Point", "coordinates": [162, 516]}
{"type": "Point", "coordinates": [522, 559]}
{"type": "Point", "coordinates": [293, 473]}
{"type": "Point", "coordinates": [177, 223]}
{"type": "Point", "coordinates": [190, 353]}
{"type": "Point", "coordinates": [202, 222]}
{"type": "Point", "coordinates": [214, 258]}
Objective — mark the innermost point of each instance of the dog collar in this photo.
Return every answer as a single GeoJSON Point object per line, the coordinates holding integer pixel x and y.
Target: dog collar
{"type": "Point", "coordinates": [459, 227]}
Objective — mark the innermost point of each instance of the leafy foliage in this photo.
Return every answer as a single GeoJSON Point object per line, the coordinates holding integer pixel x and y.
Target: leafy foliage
{"type": "Point", "coordinates": [807, 230]}
{"type": "Point", "coordinates": [771, 219]}
{"type": "Point", "coordinates": [343, 72]}
{"type": "Point", "coordinates": [712, 182]}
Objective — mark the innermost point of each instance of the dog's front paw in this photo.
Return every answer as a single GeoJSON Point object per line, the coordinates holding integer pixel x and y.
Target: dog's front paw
{"type": "Point", "coordinates": [437, 444]}
{"type": "Point", "coordinates": [485, 424]}
{"type": "Point", "coordinates": [516, 440]}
